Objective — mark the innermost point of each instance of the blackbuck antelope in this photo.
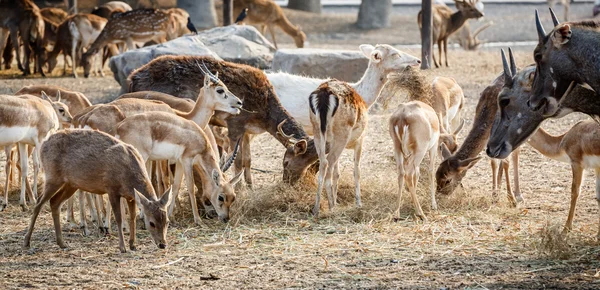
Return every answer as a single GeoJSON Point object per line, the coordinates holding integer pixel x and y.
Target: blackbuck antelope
{"type": "Point", "coordinates": [98, 163]}
{"type": "Point", "coordinates": [562, 57]}
{"type": "Point", "coordinates": [28, 120]}
{"type": "Point", "coordinates": [446, 22]}
{"type": "Point", "coordinates": [339, 118]}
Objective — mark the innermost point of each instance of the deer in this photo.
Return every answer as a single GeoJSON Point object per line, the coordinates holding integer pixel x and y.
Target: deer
{"type": "Point", "coordinates": [415, 131]}
{"type": "Point", "coordinates": [268, 14]}
{"type": "Point", "coordinates": [164, 136]}
{"type": "Point", "coordinates": [564, 3]}
{"type": "Point", "coordinates": [262, 109]}
{"type": "Point", "coordinates": [85, 29]}
{"type": "Point", "coordinates": [446, 22]}
{"type": "Point", "coordinates": [106, 10]}
{"type": "Point", "coordinates": [28, 120]}
{"type": "Point", "coordinates": [454, 167]}
{"type": "Point", "coordinates": [22, 18]}
{"type": "Point", "coordinates": [181, 18]}
{"type": "Point", "coordinates": [468, 40]}
{"type": "Point", "coordinates": [75, 101]}
{"type": "Point", "coordinates": [140, 25]}
{"type": "Point", "coordinates": [55, 15]}
{"type": "Point", "coordinates": [560, 60]}
{"type": "Point", "coordinates": [77, 159]}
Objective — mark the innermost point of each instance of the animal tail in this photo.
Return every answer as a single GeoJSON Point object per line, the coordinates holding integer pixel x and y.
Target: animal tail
{"type": "Point", "coordinates": [403, 138]}
{"type": "Point", "coordinates": [323, 105]}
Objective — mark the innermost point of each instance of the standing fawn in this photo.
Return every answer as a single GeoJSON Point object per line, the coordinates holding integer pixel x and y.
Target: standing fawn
{"type": "Point", "coordinates": [98, 163]}
{"type": "Point", "coordinates": [415, 131]}
{"type": "Point", "coordinates": [28, 120]}
{"type": "Point", "coordinates": [446, 22]}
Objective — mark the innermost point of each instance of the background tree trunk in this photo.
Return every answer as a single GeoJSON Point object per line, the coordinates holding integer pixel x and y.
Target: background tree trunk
{"type": "Point", "coordinates": [426, 43]}
{"type": "Point", "coordinates": [374, 14]}
{"type": "Point", "coordinates": [202, 13]}
{"type": "Point", "coordinates": [305, 5]}
{"type": "Point", "coordinates": [227, 12]}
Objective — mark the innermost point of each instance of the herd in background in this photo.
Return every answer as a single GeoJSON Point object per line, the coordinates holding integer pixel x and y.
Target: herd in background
{"type": "Point", "coordinates": [146, 141]}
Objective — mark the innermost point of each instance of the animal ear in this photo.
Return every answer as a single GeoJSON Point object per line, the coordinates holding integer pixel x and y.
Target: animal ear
{"type": "Point", "coordinates": [445, 151]}
{"type": "Point", "coordinates": [376, 56]}
{"type": "Point", "coordinates": [140, 198]}
{"type": "Point", "coordinates": [561, 35]}
{"type": "Point", "coordinates": [206, 80]}
{"type": "Point", "coordinates": [167, 198]}
{"type": "Point", "coordinates": [460, 127]}
{"type": "Point", "coordinates": [300, 147]}
{"type": "Point", "coordinates": [237, 178]}
{"type": "Point", "coordinates": [468, 163]}
{"type": "Point", "coordinates": [217, 74]}
{"type": "Point", "coordinates": [366, 49]}
{"type": "Point", "coordinates": [216, 177]}
{"type": "Point", "coordinates": [45, 97]}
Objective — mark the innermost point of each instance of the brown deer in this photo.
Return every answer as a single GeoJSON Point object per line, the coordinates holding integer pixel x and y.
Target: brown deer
{"type": "Point", "coordinates": [268, 14]}
{"type": "Point", "coordinates": [85, 29]}
{"type": "Point", "coordinates": [54, 14]}
{"type": "Point", "coordinates": [141, 25]}
{"type": "Point", "coordinates": [106, 10]}
{"type": "Point", "coordinates": [28, 120]}
{"type": "Point", "coordinates": [178, 76]}
{"type": "Point", "coordinates": [446, 22]}
{"type": "Point", "coordinates": [564, 3]}
{"type": "Point", "coordinates": [561, 60]}
{"type": "Point", "coordinates": [75, 101]}
{"type": "Point", "coordinates": [22, 18]}
{"type": "Point", "coordinates": [77, 159]}
{"type": "Point", "coordinates": [468, 40]}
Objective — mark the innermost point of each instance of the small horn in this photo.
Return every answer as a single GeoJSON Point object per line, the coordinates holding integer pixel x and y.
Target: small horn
{"type": "Point", "coordinates": [233, 155]}
{"type": "Point", "coordinates": [201, 68]}
{"type": "Point", "coordinates": [540, 28]}
{"type": "Point", "coordinates": [554, 18]}
{"type": "Point", "coordinates": [513, 65]}
{"type": "Point", "coordinates": [214, 78]}
{"type": "Point", "coordinates": [507, 71]}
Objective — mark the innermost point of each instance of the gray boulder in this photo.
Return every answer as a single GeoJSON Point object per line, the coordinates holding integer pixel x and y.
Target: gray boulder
{"type": "Point", "coordinates": [235, 43]}
{"type": "Point", "coordinates": [344, 65]}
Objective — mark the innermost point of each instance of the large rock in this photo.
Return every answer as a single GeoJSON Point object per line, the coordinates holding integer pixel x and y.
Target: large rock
{"type": "Point", "coordinates": [235, 43]}
{"type": "Point", "coordinates": [344, 65]}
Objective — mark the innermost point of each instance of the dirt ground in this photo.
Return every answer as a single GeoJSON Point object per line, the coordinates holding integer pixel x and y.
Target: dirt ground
{"type": "Point", "coordinates": [474, 241]}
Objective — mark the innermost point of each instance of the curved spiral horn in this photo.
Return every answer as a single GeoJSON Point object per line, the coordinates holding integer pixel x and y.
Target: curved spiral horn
{"type": "Point", "coordinates": [232, 158]}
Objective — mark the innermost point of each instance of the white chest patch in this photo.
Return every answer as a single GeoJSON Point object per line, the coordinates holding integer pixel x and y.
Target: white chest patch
{"type": "Point", "coordinates": [10, 135]}
{"type": "Point", "coordinates": [166, 150]}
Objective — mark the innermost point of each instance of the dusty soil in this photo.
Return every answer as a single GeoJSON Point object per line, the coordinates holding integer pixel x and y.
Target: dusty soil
{"type": "Point", "coordinates": [474, 241]}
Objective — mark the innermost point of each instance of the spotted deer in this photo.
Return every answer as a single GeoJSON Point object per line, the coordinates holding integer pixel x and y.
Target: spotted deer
{"type": "Point", "coordinates": [99, 163]}
{"type": "Point", "coordinates": [140, 25]}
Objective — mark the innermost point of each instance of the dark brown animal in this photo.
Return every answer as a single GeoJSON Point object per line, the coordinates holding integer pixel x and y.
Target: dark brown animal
{"type": "Point", "coordinates": [178, 76]}
{"type": "Point", "coordinates": [98, 163]}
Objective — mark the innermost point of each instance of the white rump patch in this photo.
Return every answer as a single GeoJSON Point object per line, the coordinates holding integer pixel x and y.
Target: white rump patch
{"type": "Point", "coordinates": [166, 150]}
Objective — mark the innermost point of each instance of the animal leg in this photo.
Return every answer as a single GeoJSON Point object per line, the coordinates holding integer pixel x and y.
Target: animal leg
{"type": "Point", "coordinates": [55, 203]}
{"type": "Point", "coordinates": [115, 199]}
{"type": "Point", "coordinates": [445, 52]}
{"type": "Point", "coordinates": [413, 181]}
{"type": "Point", "coordinates": [50, 189]}
{"type": "Point", "coordinates": [7, 170]}
{"type": "Point", "coordinates": [357, 155]}
{"type": "Point", "coordinates": [132, 214]}
{"type": "Point", "coordinates": [332, 159]}
{"type": "Point", "coordinates": [82, 216]}
{"type": "Point", "coordinates": [124, 223]}
{"type": "Point", "coordinates": [14, 37]}
{"type": "Point", "coordinates": [575, 189]}
{"type": "Point", "coordinates": [515, 162]}
{"type": "Point", "coordinates": [432, 157]}
{"type": "Point", "coordinates": [176, 185]}
{"type": "Point", "coordinates": [247, 159]}
{"type": "Point", "coordinates": [509, 193]}
{"type": "Point", "coordinates": [401, 176]}
{"type": "Point", "coordinates": [189, 179]}
{"type": "Point", "coordinates": [272, 34]}
{"type": "Point", "coordinates": [320, 147]}
{"type": "Point", "coordinates": [23, 159]}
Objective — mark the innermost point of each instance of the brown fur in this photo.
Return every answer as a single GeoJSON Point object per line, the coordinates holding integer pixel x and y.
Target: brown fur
{"type": "Point", "coordinates": [76, 101]}
{"type": "Point", "coordinates": [179, 76]}
{"type": "Point", "coordinates": [183, 105]}
{"type": "Point", "coordinates": [98, 163]}
{"type": "Point", "coordinates": [54, 14]}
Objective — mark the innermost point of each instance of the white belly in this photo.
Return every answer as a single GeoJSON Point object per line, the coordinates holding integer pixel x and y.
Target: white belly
{"type": "Point", "coordinates": [591, 161]}
{"type": "Point", "coordinates": [11, 135]}
{"type": "Point", "coordinates": [166, 151]}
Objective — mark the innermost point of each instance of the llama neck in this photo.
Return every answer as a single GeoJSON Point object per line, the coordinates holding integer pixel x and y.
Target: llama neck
{"type": "Point", "coordinates": [202, 111]}
{"type": "Point", "coordinates": [371, 84]}
{"type": "Point", "coordinates": [546, 144]}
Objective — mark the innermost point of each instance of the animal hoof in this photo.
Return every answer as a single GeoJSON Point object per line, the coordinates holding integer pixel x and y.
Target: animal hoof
{"type": "Point", "coordinates": [63, 245]}
{"type": "Point", "coordinates": [123, 250]}
{"type": "Point", "coordinates": [24, 207]}
{"type": "Point", "coordinates": [85, 231]}
{"type": "Point", "coordinates": [106, 231]}
{"type": "Point", "coordinates": [315, 212]}
{"type": "Point", "coordinates": [132, 247]}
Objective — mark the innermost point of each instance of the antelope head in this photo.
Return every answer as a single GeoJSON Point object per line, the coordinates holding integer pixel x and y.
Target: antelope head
{"type": "Point", "coordinates": [217, 93]}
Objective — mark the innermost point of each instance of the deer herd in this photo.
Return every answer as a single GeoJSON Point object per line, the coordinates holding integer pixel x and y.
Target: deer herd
{"type": "Point", "coordinates": [194, 117]}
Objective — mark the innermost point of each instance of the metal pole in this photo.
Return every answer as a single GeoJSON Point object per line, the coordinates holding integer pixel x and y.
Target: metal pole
{"type": "Point", "coordinates": [426, 44]}
{"type": "Point", "coordinates": [227, 12]}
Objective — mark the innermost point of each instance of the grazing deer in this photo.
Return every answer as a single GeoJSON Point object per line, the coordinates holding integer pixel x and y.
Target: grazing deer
{"type": "Point", "coordinates": [339, 119]}
{"type": "Point", "coordinates": [75, 101]}
{"type": "Point", "coordinates": [178, 76]}
{"type": "Point", "coordinates": [415, 130]}
{"type": "Point", "coordinates": [85, 29]}
{"type": "Point", "coordinates": [561, 58]}
{"type": "Point", "coordinates": [446, 22]}
{"type": "Point", "coordinates": [268, 14]}
{"type": "Point", "coordinates": [164, 136]}
{"type": "Point", "coordinates": [28, 120]}
{"type": "Point", "coordinates": [77, 159]}
{"type": "Point", "coordinates": [22, 18]}
{"type": "Point", "coordinates": [141, 25]}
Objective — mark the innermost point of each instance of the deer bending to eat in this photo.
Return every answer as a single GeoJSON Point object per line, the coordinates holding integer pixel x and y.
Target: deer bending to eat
{"type": "Point", "coordinates": [106, 10]}
{"type": "Point", "coordinates": [468, 40]}
{"type": "Point", "coordinates": [268, 14]}
{"type": "Point", "coordinates": [28, 120]}
{"type": "Point", "coordinates": [98, 163]}
{"type": "Point", "coordinates": [178, 76]}
{"type": "Point", "coordinates": [446, 22]}
{"type": "Point", "coordinates": [561, 59]}
{"type": "Point", "coordinates": [141, 25]}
